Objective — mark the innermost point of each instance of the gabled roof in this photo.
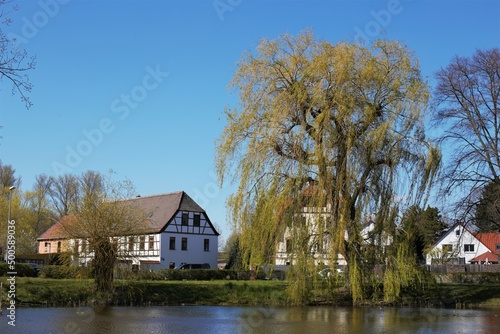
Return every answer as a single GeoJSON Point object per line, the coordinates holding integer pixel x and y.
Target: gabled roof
{"type": "Point", "coordinates": [451, 229]}
{"type": "Point", "coordinates": [159, 209]}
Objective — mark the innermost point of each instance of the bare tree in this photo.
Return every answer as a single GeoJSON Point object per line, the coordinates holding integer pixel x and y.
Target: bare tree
{"type": "Point", "coordinates": [15, 63]}
{"type": "Point", "coordinates": [65, 194]}
{"type": "Point", "coordinates": [467, 112]}
{"type": "Point", "coordinates": [38, 200]}
{"type": "Point", "coordinates": [91, 182]}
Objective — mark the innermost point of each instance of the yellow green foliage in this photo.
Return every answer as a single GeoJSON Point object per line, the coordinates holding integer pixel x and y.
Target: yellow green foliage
{"type": "Point", "coordinates": [336, 127]}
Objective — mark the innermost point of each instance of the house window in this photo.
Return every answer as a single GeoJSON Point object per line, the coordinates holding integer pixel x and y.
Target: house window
{"type": "Point", "coordinates": [447, 248]}
{"type": "Point", "coordinates": [196, 220]}
{"type": "Point", "coordinates": [498, 247]}
{"type": "Point", "coordinates": [172, 243]}
{"type": "Point", "coordinates": [84, 246]}
{"type": "Point", "coordinates": [185, 218]}
{"type": "Point", "coordinates": [171, 265]}
{"type": "Point", "coordinates": [130, 243]}
{"type": "Point", "coordinates": [469, 248]}
{"type": "Point", "coordinates": [206, 245]}
{"type": "Point", "coordinates": [288, 245]}
{"type": "Point", "coordinates": [184, 244]}
{"type": "Point", "coordinates": [77, 244]}
{"type": "Point", "coordinates": [457, 232]}
{"type": "Point", "coordinates": [59, 247]}
{"type": "Point", "coordinates": [142, 242]}
{"type": "Point", "coordinates": [151, 242]}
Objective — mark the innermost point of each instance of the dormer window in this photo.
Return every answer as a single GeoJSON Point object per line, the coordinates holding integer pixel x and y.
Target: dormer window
{"type": "Point", "coordinates": [498, 247]}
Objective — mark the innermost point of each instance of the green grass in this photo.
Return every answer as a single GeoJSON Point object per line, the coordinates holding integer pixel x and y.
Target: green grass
{"type": "Point", "coordinates": [51, 292]}
{"type": "Point", "coordinates": [74, 292]}
{"type": "Point", "coordinates": [79, 292]}
{"type": "Point", "coordinates": [201, 292]}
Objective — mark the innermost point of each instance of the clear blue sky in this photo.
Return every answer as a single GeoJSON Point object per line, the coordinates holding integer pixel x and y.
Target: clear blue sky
{"type": "Point", "coordinates": [140, 86]}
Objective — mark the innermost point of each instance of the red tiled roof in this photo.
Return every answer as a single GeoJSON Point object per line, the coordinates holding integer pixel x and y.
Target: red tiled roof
{"type": "Point", "coordinates": [485, 257]}
{"type": "Point", "coordinates": [310, 191]}
{"type": "Point", "coordinates": [58, 230]}
{"type": "Point", "coordinates": [490, 240]}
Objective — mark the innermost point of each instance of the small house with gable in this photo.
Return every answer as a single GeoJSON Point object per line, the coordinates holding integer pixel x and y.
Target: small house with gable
{"type": "Point", "coordinates": [458, 245]}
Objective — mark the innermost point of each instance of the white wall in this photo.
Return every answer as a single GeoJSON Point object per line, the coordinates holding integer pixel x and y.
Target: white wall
{"type": "Point", "coordinates": [195, 252]}
{"type": "Point", "coordinates": [458, 237]}
{"type": "Point", "coordinates": [321, 254]}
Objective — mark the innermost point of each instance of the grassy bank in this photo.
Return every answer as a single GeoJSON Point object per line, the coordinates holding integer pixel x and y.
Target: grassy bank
{"type": "Point", "coordinates": [78, 292]}
{"type": "Point", "coordinates": [464, 295]}
{"type": "Point", "coordinates": [75, 292]}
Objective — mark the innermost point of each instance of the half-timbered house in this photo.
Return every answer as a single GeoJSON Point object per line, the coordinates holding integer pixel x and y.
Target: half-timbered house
{"type": "Point", "coordinates": [178, 231]}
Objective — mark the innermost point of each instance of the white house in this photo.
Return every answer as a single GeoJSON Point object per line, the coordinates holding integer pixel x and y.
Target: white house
{"type": "Point", "coordinates": [178, 231]}
{"type": "Point", "coordinates": [458, 245]}
{"type": "Point", "coordinates": [317, 220]}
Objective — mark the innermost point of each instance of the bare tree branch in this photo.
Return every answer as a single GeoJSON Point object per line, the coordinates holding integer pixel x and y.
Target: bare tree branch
{"type": "Point", "coordinates": [15, 63]}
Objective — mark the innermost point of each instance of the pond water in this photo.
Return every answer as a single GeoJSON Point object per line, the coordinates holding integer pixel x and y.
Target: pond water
{"type": "Point", "coordinates": [220, 319]}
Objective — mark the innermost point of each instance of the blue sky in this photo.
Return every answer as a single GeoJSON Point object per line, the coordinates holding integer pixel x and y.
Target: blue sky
{"type": "Point", "coordinates": [140, 87]}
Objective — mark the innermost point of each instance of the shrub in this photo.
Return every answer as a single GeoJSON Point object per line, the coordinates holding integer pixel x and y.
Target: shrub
{"type": "Point", "coordinates": [55, 271]}
{"type": "Point", "coordinates": [22, 270]}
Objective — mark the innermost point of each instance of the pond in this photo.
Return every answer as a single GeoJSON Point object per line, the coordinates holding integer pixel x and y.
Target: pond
{"type": "Point", "coordinates": [221, 319]}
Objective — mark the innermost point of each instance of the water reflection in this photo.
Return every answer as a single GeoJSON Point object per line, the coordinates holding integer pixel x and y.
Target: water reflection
{"type": "Point", "coordinates": [218, 319]}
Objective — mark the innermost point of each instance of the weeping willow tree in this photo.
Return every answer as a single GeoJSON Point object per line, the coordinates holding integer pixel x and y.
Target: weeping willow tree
{"type": "Point", "coordinates": [344, 120]}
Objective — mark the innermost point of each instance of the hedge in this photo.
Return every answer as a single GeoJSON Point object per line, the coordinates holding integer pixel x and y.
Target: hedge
{"type": "Point", "coordinates": [22, 270]}
{"type": "Point", "coordinates": [61, 271]}
{"type": "Point", "coordinates": [189, 274]}
{"type": "Point", "coordinates": [71, 272]}
{"type": "Point", "coordinates": [200, 274]}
